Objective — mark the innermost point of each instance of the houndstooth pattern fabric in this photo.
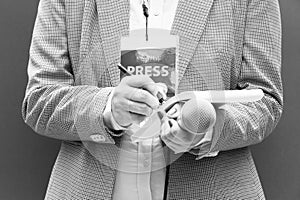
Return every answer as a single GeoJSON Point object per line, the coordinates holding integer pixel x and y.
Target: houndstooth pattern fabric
{"type": "Point", "coordinates": [224, 44]}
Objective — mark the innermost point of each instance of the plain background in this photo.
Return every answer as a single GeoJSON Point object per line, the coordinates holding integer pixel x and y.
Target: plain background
{"type": "Point", "coordinates": [26, 159]}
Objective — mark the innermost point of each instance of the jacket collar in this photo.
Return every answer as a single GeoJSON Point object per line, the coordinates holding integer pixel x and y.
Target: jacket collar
{"type": "Point", "coordinates": [189, 23]}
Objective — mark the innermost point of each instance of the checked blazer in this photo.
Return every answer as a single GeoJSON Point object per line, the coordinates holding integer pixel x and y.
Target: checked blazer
{"type": "Point", "coordinates": [224, 44]}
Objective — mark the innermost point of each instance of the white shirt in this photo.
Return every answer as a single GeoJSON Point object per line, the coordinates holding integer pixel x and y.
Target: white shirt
{"type": "Point", "coordinates": [161, 14]}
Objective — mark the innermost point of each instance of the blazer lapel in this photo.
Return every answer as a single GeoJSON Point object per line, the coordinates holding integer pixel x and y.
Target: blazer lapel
{"type": "Point", "coordinates": [189, 23]}
{"type": "Point", "coordinates": [113, 17]}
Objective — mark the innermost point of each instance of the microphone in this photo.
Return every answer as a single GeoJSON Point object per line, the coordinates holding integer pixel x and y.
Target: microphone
{"type": "Point", "coordinates": [197, 116]}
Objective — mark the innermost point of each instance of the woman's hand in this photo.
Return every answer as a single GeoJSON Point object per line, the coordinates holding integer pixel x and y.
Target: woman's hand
{"type": "Point", "coordinates": [134, 99]}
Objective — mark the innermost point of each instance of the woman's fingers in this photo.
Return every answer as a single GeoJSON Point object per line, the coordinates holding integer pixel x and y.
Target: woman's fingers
{"type": "Point", "coordinates": [132, 100]}
{"type": "Point", "coordinates": [142, 96]}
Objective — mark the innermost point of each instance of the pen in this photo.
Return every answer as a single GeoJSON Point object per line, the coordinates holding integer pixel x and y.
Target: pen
{"type": "Point", "coordinates": [123, 69]}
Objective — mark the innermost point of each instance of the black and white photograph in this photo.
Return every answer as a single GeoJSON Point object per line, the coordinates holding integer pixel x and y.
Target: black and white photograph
{"type": "Point", "coordinates": [149, 100]}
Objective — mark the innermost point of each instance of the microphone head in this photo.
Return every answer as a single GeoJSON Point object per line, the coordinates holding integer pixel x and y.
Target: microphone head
{"type": "Point", "coordinates": [197, 115]}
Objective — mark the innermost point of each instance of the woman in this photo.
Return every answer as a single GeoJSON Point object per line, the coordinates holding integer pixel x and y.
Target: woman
{"type": "Point", "coordinates": [73, 79]}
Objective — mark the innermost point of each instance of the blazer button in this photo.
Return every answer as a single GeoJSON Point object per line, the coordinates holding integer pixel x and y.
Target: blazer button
{"type": "Point", "coordinates": [97, 138]}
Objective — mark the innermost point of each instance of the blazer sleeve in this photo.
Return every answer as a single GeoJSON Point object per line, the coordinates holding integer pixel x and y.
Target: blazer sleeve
{"type": "Point", "coordinates": [53, 105]}
{"type": "Point", "coordinates": [243, 124]}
